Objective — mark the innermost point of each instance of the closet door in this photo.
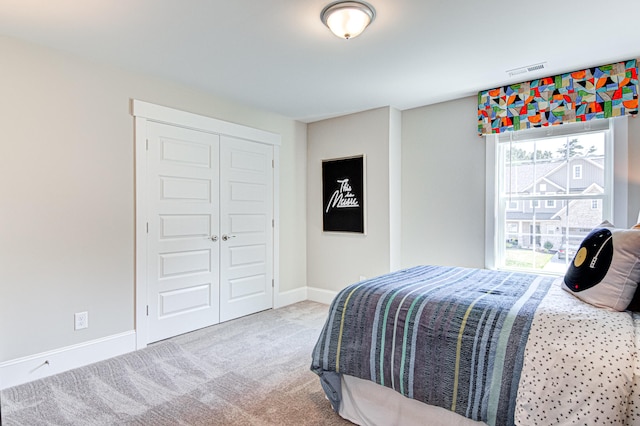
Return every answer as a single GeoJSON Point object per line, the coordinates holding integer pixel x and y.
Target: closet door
{"type": "Point", "coordinates": [183, 239]}
{"type": "Point", "coordinates": [246, 227]}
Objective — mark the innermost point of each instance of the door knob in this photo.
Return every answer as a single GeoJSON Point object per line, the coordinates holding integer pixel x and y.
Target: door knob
{"type": "Point", "coordinates": [214, 238]}
{"type": "Point", "coordinates": [226, 237]}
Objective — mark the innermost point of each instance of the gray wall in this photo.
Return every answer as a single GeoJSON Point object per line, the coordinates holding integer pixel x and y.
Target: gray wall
{"type": "Point", "coordinates": [443, 184]}
{"type": "Point", "coordinates": [335, 260]}
{"type": "Point", "coordinates": [67, 191]}
{"type": "Point", "coordinates": [443, 191]}
{"type": "Point", "coordinates": [67, 209]}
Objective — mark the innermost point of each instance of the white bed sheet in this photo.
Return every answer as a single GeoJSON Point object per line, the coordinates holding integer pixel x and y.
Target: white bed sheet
{"type": "Point", "coordinates": [368, 404]}
{"type": "Point", "coordinates": [578, 364]}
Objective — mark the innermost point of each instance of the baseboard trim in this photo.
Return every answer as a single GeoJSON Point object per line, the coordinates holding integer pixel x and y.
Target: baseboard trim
{"type": "Point", "coordinates": [290, 297]}
{"type": "Point", "coordinates": [22, 370]}
{"type": "Point", "coordinates": [321, 295]}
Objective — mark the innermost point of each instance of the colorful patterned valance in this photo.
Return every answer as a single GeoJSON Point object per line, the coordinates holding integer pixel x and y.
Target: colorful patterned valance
{"type": "Point", "coordinates": [599, 92]}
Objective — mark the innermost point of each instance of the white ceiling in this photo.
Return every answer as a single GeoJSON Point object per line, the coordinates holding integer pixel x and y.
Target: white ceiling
{"type": "Point", "coordinates": [276, 55]}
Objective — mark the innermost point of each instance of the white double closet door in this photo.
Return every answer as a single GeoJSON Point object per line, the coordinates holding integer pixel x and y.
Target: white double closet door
{"type": "Point", "coordinates": [210, 229]}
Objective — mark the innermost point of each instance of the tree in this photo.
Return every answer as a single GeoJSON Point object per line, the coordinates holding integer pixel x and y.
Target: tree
{"type": "Point", "coordinates": [544, 155]}
{"type": "Point", "coordinates": [519, 154]}
{"type": "Point", "coordinates": [571, 149]}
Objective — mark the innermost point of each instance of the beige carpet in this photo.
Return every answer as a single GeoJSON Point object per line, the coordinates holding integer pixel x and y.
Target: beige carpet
{"type": "Point", "coordinates": [250, 371]}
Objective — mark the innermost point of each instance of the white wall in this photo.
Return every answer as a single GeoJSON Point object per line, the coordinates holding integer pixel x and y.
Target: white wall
{"type": "Point", "coordinates": [335, 260]}
{"type": "Point", "coordinates": [443, 175]}
{"type": "Point", "coordinates": [67, 193]}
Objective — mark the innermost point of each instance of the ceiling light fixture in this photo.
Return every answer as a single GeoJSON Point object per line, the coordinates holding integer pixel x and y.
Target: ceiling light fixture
{"type": "Point", "coordinates": [347, 19]}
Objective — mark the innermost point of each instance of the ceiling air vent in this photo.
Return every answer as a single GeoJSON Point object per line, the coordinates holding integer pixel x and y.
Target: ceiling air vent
{"type": "Point", "coordinates": [524, 70]}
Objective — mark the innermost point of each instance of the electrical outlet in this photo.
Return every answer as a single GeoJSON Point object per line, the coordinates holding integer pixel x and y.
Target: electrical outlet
{"type": "Point", "coordinates": [81, 320]}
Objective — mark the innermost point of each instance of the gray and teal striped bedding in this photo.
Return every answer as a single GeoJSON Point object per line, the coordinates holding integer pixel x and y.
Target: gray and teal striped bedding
{"type": "Point", "coordinates": [447, 336]}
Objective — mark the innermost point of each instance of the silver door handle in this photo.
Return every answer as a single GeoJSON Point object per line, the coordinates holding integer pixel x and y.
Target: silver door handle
{"type": "Point", "coordinates": [214, 238]}
{"type": "Point", "coordinates": [226, 237]}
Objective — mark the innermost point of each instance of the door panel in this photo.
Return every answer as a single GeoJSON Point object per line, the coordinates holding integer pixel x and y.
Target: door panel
{"type": "Point", "coordinates": [183, 300]}
{"type": "Point", "coordinates": [184, 189]}
{"type": "Point", "coordinates": [184, 263]}
{"type": "Point", "coordinates": [246, 215]}
{"type": "Point", "coordinates": [247, 192]}
{"type": "Point", "coordinates": [246, 223]}
{"type": "Point", "coordinates": [183, 259]}
{"type": "Point", "coordinates": [247, 286]}
{"type": "Point", "coordinates": [184, 226]}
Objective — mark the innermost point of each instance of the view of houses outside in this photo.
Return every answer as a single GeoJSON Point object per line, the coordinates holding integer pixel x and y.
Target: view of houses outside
{"type": "Point", "coordinates": [553, 193]}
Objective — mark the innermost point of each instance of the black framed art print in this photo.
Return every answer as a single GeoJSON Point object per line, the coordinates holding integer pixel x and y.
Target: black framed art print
{"type": "Point", "coordinates": [343, 195]}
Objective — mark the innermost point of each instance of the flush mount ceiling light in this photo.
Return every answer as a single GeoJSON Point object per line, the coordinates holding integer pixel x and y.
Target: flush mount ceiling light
{"type": "Point", "coordinates": [347, 19]}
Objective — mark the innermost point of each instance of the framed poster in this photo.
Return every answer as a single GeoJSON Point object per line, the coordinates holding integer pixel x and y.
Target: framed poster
{"type": "Point", "coordinates": [343, 195]}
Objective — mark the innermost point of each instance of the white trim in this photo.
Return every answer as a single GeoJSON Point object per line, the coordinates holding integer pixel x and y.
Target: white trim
{"type": "Point", "coordinates": [618, 179]}
{"type": "Point", "coordinates": [290, 297]}
{"type": "Point", "coordinates": [620, 171]}
{"type": "Point", "coordinates": [321, 295]}
{"type": "Point", "coordinates": [276, 302]}
{"type": "Point", "coordinates": [162, 114]}
{"type": "Point", "coordinates": [491, 180]}
{"type": "Point", "coordinates": [22, 370]}
{"type": "Point", "coordinates": [144, 112]}
{"type": "Point", "coordinates": [577, 171]}
{"type": "Point", "coordinates": [142, 330]}
{"type": "Point", "coordinates": [395, 189]}
{"type": "Point", "coordinates": [553, 131]}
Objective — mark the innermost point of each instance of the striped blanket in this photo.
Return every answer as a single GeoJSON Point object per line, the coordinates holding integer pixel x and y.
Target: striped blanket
{"type": "Point", "coordinates": [447, 336]}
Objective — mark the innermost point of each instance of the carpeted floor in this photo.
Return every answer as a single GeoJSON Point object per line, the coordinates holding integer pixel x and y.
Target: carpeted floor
{"type": "Point", "coordinates": [250, 371]}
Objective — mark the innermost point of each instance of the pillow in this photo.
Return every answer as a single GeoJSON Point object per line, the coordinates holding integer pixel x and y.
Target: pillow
{"type": "Point", "coordinates": [606, 269]}
{"type": "Point", "coordinates": [635, 302]}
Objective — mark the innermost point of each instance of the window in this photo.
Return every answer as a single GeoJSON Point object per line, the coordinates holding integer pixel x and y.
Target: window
{"type": "Point", "coordinates": [577, 171]}
{"type": "Point", "coordinates": [512, 205]}
{"type": "Point", "coordinates": [517, 166]}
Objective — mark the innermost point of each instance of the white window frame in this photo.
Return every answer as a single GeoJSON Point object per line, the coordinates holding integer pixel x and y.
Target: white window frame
{"type": "Point", "coordinates": [577, 171]}
{"type": "Point", "coordinates": [617, 213]}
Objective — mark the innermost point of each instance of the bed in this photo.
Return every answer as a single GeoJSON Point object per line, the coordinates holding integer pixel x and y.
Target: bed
{"type": "Point", "coordinates": [459, 346]}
